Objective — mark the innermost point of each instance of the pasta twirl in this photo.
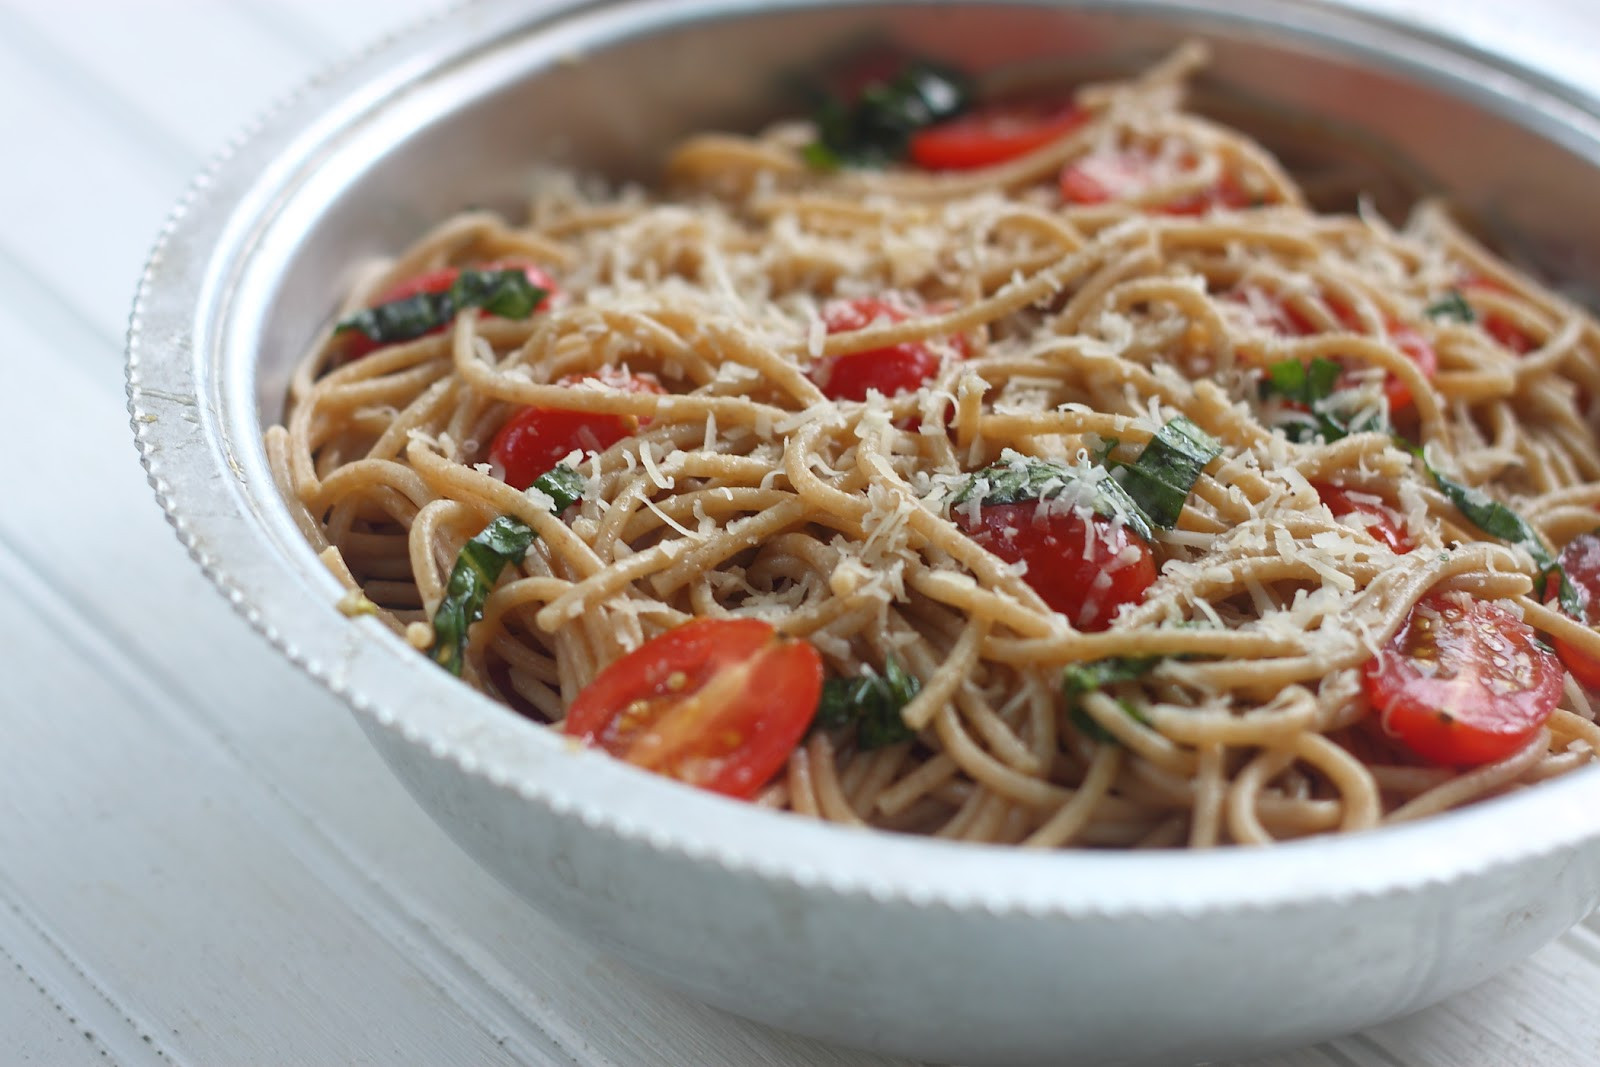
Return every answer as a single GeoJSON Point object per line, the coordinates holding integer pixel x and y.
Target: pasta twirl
{"type": "Point", "coordinates": [1063, 306]}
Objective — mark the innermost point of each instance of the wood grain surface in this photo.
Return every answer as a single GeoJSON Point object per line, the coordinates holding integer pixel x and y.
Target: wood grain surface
{"type": "Point", "coordinates": [202, 861]}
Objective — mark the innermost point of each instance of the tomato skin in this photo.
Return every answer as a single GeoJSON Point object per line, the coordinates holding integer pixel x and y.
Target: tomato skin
{"type": "Point", "coordinates": [1290, 321]}
{"type": "Point", "coordinates": [1127, 174]}
{"type": "Point", "coordinates": [991, 135]}
{"type": "Point", "coordinates": [356, 344]}
{"type": "Point", "coordinates": [902, 368]}
{"type": "Point", "coordinates": [1100, 179]}
{"type": "Point", "coordinates": [1382, 523]}
{"type": "Point", "coordinates": [1496, 326]}
{"type": "Point", "coordinates": [1463, 682]}
{"type": "Point", "coordinates": [1075, 580]}
{"type": "Point", "coordinates": [1416, 348]}
{"type": "Point", "coordinates": [1227, 193]}
{"type": "Point", "coordinates": [534, 440]}
{"type": "Point", "coordinates": [715, 703]}
{"type": "Point", "coordinates": [1581, 562]}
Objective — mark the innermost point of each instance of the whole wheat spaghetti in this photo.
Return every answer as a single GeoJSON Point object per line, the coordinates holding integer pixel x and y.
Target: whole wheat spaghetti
{"type": "Point", "coordinates": [1058, 326]}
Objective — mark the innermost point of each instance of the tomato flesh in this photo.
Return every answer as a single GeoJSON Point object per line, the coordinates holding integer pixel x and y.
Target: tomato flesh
{"type": "Point", "coordinates": [1086, 568]}
{"type": "Point", "coordinates": [1416, 348]}
{"type": "Point", "coordinates": [1496, 326]}
{"type": "Point", "coordinates": [991, 135]}
{"type": "Point", "coordinates": [1580, 560]}
{"type": "Point", "coordinates": [356, 344]}
{"type": "Point", "coordinates": [896, 369]}
{"type": "Point", "coordinates": [1290, 321]}
{"type": "Point", "coordinates": [1381, 522]}
{"type": "Point", "coordinates": [716, 703]}
{"type": "Point", "coordinates": [1463, 682]}
{"type": "Point", "coordinates": [534, 440]}
{"type": "Point", "coordinates": [1127, 175]}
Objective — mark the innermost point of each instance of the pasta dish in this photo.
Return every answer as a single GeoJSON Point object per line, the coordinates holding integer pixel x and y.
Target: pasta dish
{"type": "Point", "coordinates": [1029, 472]}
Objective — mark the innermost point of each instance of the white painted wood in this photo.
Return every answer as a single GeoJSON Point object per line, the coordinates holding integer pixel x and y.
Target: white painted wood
{"type": "Point", "coordinates": [201, 859]}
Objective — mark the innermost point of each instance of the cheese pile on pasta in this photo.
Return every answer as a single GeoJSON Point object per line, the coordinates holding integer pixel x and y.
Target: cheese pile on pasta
{"type": "Point", "coordinates": [924, 420]}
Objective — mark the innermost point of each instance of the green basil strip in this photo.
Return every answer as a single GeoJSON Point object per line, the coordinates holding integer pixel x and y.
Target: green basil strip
{"type": "Point", "coordinates": [1452, 306]}
{"type": "Point", "coordinates": [1160, 480]}
{"type": "Point", "coordinates": [1010, 482]}
{"type": "Point", "coordinates": [563, 485]}
{"type": "Point", "coordinates": [1305, 383]}
{"type": "Point", "coordinates": [877, 128]}
{"type": "Point", "coordinates": [872, 703]}
{"type": "Point", "coordinates": [1315, 385]}
{"type": "Point", "coordinates": [479, 565]}
{"type": "Point", "coordinates": [1499, 521]}
{"type": "Point", "coordinates": [507, 293]}
{"type": "Point", "coordinates": [1080, 679]}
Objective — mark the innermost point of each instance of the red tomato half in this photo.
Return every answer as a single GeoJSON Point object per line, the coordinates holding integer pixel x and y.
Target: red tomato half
{"type": "Point", "coordinates": [357, 344]}
{"type": "Point", "coordinates": [901, 368]}
{"type": "Point", "coordinates": [1463, 682]}
{"type": "Point", "coordinates": [1290, 321]}
{"type": "Point", "coordinates": [534, 440]}
{"type": "Point", "coordinates": [1581, 562]}
{"type": "Point", "coordinates": [1497, 326]}
{"type": "Point", "coordinates": [1086, 569]}
{"type": "Point", "coordinates": [717, 703]}
{"type": "Point", "coordinates": [1129, 174]}
{"type": "Point", "coordinates": [1416, 348]}
{"type": "Point", "coordinates": [991, 135]}
{"type": "Point", "coordinates": [1381, 522]}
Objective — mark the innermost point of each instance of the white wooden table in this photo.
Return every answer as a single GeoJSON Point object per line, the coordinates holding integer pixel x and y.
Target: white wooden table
{"type": "Point", "coordinates": [201, 859]}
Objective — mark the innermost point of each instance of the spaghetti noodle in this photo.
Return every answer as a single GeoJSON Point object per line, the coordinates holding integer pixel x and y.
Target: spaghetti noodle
{"type": "Point", "coordinates": [1062, 306]}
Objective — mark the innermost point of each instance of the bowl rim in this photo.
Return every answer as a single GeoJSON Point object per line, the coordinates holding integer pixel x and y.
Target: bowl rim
{"type": "Point", "coordinates": [186, 414]}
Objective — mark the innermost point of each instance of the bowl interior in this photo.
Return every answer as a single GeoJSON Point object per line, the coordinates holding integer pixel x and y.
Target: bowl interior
{"type": "Point", "coordinates": [463, 115]}
{"type": "Point", "coordinates": [609, 90]}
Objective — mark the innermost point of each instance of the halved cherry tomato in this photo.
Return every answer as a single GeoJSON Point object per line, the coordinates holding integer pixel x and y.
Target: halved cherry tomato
{"type": "Point", "coordinates": [534, 440]}
{"type": "Point", "coordinates": [1129, 174]}
{"type": "Point", "coordinates": [901, 368]}
{"type": "Point", "coordinates": [991, 135]}
{"type": "Point", "coordinates": [1416, 348]}
{"type": "Point", "coordinates": [1086, 568]}
{"type": "Point", "coordinates": [1581, 562]}
{"type": "Point", "coordinates": [1290, 321]}
{"type": "Point", "coordinates": [716, 703]}
{"type": "Point", "coordinates": [1226, 193]}
{"type": "Point", "coordinates": [1381, 521]}
{"type": "Point", "coordinates": [1463, 682]}
{"type": "Point", "coordinates": [355, 344]}
{"type": "Point", "coordinates": [1497, 326]}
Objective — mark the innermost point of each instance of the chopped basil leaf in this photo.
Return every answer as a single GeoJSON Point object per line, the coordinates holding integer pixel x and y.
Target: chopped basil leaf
{"type": "Point", "coordinates": [872, 703]}
{"type": "Point", "coordinates": [479, 564]}
{"type": "Point", "coordinates": [1304, 383]}
{"type": "Point", "coordinates": [1012, 482]}
{"type": "Point", "coordinates": [507, 293]}
{"type": "Point", "coordinates": [1080, 679]}
{"type": "Point", "coordinates": [1499, 521]}
{"type": "Point", "coordinates": [1488, 514]}
{"type": "Point", "coordinates": [1331, 412]}
{"type": "Point", "coordinates": [563, 485]}
{"type": "Point", "coordinates": [1452, 306]}
{"type": "Point", "coordinates": [1160, 480]}
{"type": "Point", "coordinates": [1148, 493]}
{"type": "Point", "coordinates": [877, 128]}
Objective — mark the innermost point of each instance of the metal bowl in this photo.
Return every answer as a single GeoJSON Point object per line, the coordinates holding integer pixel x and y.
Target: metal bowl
{"type": "Point", "coordinates": [920, 947]}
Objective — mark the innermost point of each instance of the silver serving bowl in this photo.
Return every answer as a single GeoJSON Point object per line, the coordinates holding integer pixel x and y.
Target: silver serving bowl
{"type": "Point", "coordinates": [921, 947]}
